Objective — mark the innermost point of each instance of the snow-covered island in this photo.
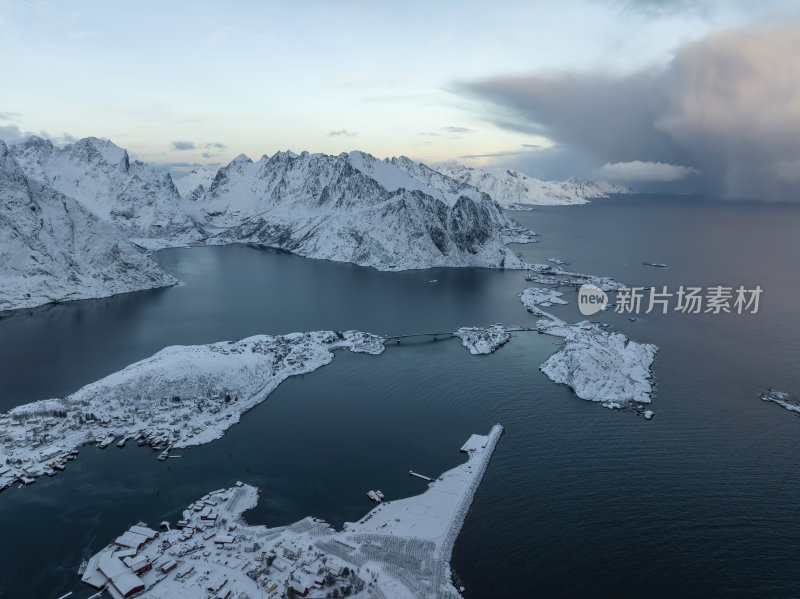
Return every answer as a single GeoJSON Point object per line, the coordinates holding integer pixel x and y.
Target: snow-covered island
{"type": "Point", "coordinates": [483, 340]}
{"type": "Point", "coordinates": [400, 549]}
{"type": "Point", "coordinates": [534, 298]}
{"type": "Point", "coordinates": [783, 399]}
{"type": "Point", "coordinates": [179, 397]}
{"type": "Point", "coordinates": [598, 365]}
{"type": "Point", "coordinates": [554, 275]}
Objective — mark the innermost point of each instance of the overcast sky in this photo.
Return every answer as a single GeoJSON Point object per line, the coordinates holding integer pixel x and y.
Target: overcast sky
{"type": "Point", "coordinates": [641, 91]}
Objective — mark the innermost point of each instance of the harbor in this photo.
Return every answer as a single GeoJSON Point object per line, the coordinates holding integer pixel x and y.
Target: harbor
{"type": "Point", "coordinates": [213, 552]}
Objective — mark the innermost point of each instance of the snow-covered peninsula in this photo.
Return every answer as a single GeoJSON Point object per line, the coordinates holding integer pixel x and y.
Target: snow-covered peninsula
{"type": "Point", "coordinates": [179, 397]}
{"type": "Point", "coordinates": [516, 191]}
{"type": "Point", "coordinates": [400, 549]}
{"type": "Point", "coordinates": [354, 208]}
{"type": "Point", "coordinates": [598, 365]}
{"type": "Point", "coordinates": [388, 214]}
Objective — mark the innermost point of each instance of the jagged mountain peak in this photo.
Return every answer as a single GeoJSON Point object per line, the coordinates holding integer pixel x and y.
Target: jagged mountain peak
{"type": "Point", "coordinates": [93, 147]}
{"type": "Point", "coordinates": [241, 159]}
{"type": "Point", "coordinates": [53, 249]}
{"type": "Point", "coordinates": [139, 198]}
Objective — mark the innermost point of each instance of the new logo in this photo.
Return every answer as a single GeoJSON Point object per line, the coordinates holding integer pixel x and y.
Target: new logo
{"type": "Point", "coordinates": [591, 299]}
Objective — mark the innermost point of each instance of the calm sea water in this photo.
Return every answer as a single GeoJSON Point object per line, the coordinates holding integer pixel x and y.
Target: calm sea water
{"type": "Point", "coordinates": [578, 500]}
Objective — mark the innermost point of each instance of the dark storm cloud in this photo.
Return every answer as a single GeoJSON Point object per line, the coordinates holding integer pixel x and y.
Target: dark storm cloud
{"type": "Point", "coordinates": [727, 106]}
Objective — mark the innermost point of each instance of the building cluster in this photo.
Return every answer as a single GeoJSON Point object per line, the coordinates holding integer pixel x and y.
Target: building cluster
{"type": "Point", "coordinates": [40, 441]}
{"type": "Point", "coordinates": [213, 555]}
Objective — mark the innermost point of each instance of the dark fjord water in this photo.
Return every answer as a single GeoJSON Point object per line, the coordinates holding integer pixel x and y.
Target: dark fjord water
{"type": "Point", "coordinates": [578, 500]}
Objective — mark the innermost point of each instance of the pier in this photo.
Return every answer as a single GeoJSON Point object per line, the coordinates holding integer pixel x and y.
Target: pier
{"type": "Point", "coordinates": [422, 476]}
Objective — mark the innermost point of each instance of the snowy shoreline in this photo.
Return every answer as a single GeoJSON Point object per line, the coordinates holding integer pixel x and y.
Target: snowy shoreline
{"type": "Point", "coordinates": [401, 548]}
{"type": "Point", "coordinates": [179, 397]}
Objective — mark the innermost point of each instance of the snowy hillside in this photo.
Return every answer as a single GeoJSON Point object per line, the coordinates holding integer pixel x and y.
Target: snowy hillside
{"type": "Point", "coordinates": [194, 185]}
{"type": "Point", "coordinates": [517, 191]}
{"type": "Point", "coordinates": [355, 208]}
{"type": "Point", "coordinates": [389, 214]}
{"type": "Point", "coordinates": [53, 249]}
{"type": "Point", "coordinates": [137, 197]}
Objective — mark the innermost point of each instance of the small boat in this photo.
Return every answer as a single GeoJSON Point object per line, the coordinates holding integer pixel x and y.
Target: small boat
{"type": "Point", "coordinates": [82, 567]}
{"type": "Point", "coordinates": [121, 442]}
{"type": "Point", "coordinates": [379, 494]}
{"type": "Point", "coordinates": [529, 277]}
{"type": "Point", "coordinates": [106, 442]}
{"type": "Point", "coordinates": [163, 455]}
{"type": "Point", "coordinates": [373, 496]}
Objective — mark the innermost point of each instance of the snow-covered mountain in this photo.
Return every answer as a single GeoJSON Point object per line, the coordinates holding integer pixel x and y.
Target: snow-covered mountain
{"type": "Point", "coordinates": [137, 197]}
{"type": "Point", "coordinates": [356, 208]}
{"type": "Point", "coordinates": [53, 249]}
{"type": "Point", "coordinates": [194, 184]}
{"type": "Point", "coordinates": [390, 214]}
{"type": "Point", "coordinates": [514, 190]}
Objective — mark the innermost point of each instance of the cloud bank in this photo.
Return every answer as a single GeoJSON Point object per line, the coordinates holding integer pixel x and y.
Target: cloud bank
{"type": "Point", "coordinates": [727, 106]}
{"type": "Point", "coordinates": [636, 170]}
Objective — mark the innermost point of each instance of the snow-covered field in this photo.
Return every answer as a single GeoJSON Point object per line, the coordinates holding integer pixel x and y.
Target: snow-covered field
{"type": "Point", "coordinates": [400, 549]}
{"type": "Point", "coordinates": [179, 397]}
